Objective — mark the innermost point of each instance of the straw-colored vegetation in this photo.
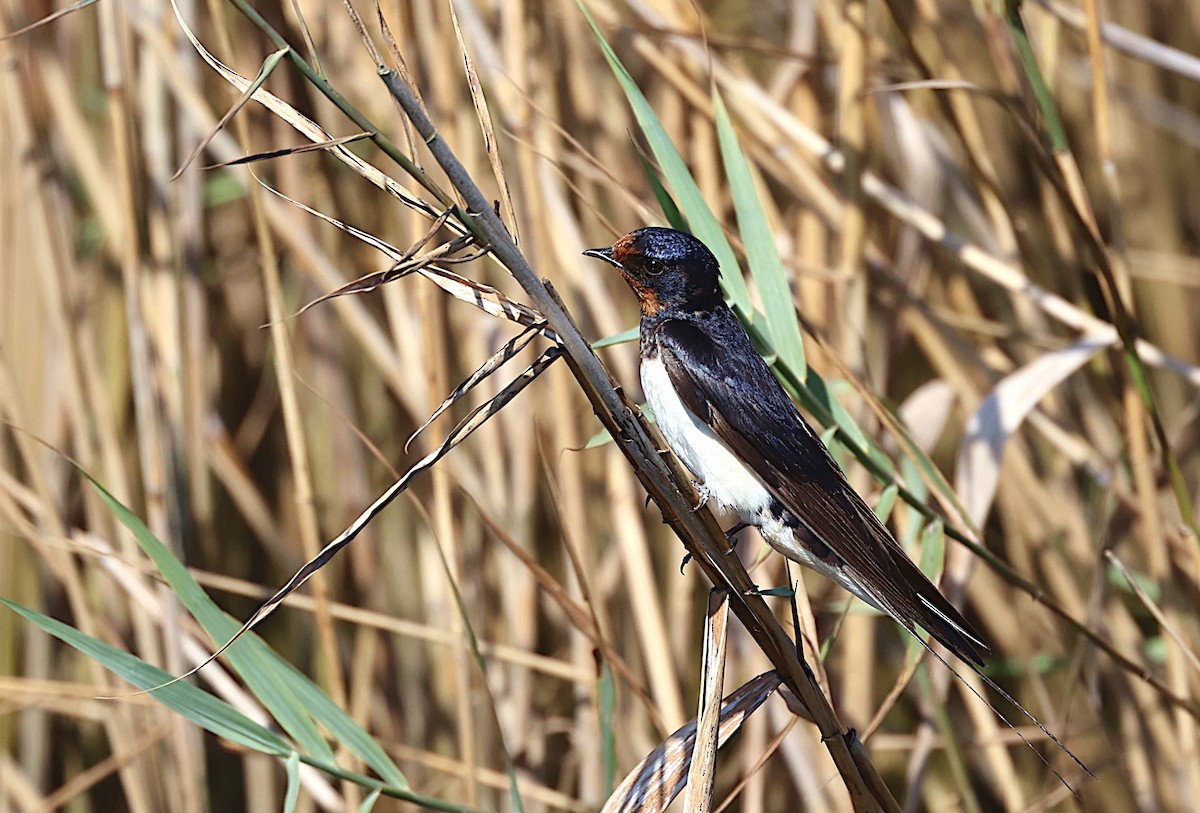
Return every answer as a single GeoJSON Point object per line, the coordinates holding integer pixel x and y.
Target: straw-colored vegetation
{"type": "Point", "coordinates": [988, 221]}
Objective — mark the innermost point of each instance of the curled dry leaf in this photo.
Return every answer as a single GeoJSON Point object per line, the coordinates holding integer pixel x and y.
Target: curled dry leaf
{"type": "Point", "coordinates": [498, 359]}
{"type": "Point", "coordinates": [257, 157]}
{"type": "Point", "coordinates": [485, 297]}
{"type": "Point", "coordinates": [661, 775]}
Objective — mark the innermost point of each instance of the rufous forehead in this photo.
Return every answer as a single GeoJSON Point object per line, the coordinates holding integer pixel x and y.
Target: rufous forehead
{"type": "Point", "coordinates": [625, 247]}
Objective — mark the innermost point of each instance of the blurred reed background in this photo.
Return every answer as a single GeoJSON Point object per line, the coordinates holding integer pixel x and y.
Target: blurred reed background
{"type": "Point", "coordinates": [931, 262]}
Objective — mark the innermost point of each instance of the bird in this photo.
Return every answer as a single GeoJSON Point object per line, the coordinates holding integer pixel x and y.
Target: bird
{"type": "Point", "coordinates": [725, 416]}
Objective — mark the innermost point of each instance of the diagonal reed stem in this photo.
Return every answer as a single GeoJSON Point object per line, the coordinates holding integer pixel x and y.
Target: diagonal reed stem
{"type": "Point", "coordinates": [659, 473]}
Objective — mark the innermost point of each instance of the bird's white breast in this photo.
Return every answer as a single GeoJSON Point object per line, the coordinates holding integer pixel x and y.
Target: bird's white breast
{"type": "Point", "coordinates": [729, 481]}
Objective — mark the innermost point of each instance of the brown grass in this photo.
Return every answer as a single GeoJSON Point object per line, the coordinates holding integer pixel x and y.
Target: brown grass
{"type": "Point", "coordinates": [130, 314]}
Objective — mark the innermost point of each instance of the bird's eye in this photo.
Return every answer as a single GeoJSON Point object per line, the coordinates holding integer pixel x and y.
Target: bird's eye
{"type": "Point", "coordinates": [654, 268]}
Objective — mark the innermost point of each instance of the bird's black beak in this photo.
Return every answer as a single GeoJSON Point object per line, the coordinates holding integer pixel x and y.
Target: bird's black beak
{"type": "Point", "coordinates": [605, 254]}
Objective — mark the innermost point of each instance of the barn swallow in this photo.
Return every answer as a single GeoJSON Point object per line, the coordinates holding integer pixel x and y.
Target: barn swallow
{"type": "Point", "coordinates": [727, 418]}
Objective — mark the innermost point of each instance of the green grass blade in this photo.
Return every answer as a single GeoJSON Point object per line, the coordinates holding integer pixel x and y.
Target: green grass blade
{"type": "Point", "coordinates": [932, 557]}
{"type": "Point", "coordinates": [293, 784]}
{"type": "Point", "coordinates": [924, 465]}
{"type": "Point", "coordinates": [763, 258]}
{"type": "Point", "coordinates": [607, 697]}
{"type": "Point", "coordinates": [630, 335]}
{"type": "Point", "coordinates": [248, 659]}
{"type": "Point", "coordinates": [289, 696]}
{"type": "Point", "coordinates": [816, 395]}
{"type": "Point", "coordinates": [337, 722]}
{"type": "Point", "coordinates": [1041, 92]}
{"type": "Point", "coordinates": [914, 519]}
{"type": "Point", "coordinates": [405, 794]}
{"type": "Point", "coordinates": [205, 710]}
{"type": "Point", "coordinates": [369, 803]}
{"type": "Point", "coordinates": [701, 218]}
{"type": "Point", "coordinates": [933, 550]}
{"type": "Point", "coordinates": [887, 501]}
{"type": "Point", "coordinates": [670, 209]}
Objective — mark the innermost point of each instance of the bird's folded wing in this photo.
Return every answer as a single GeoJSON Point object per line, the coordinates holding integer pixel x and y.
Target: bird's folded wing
{"type": "Point", "coordinates": [749, 411]}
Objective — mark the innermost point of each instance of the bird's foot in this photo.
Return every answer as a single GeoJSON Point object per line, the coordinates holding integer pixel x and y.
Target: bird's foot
{"type": "Point", "coordinates": [704, 493]}
{"type": "Point", "coordinates": [732, 533]}
{"type": "Point", "coordinates": [785, 592]}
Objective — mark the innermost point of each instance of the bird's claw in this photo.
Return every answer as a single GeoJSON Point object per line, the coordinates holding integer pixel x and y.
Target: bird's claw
{"type": "Point", "coordinates": [704, 493]}
{"type": "Point", "coordinates": [731, 534]}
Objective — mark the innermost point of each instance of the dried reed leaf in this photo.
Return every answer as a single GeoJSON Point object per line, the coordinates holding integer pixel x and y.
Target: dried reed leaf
{"type": "Point", "coordinates": [1002, 413]}
{"type": "Point", "coordinates": [702, 773]}
{"type": "Point", "coordinates": [1130, 42]}
{"type": "Point", "coordinates": [498, 359]}
{"type": "Point", "coordinates": [269, 154]}
{"type": "Point", "coordinates": [49, 18]}
{"type": "Point", "coordinates": [485, 297]}
{"type": "Point", "coordinates": [490, 145]}
{"type": "Point", "coordinates": [269, 65]}
{"type": "Point", "coordinates": [307, 127]}
{"type": "Point", "coordinates": [660, 776]}
{"type": "Point", "coordinates": [926, 410]}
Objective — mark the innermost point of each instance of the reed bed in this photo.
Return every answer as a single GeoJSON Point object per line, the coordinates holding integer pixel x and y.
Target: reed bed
{"type": "Point", "coordinates": [986, 217]}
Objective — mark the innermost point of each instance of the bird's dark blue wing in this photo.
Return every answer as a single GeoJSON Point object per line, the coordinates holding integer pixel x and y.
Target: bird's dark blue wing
{"type": "Point", "coordinates": [726, 384]}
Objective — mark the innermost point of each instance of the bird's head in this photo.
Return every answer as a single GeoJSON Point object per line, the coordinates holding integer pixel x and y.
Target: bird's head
{"type": "Point", "coordinates": [666, 269]}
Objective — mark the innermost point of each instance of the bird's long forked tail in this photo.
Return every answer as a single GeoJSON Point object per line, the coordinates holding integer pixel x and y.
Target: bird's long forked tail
{"type": "Point", "coordinates": [922, 604]}
{"type": "Point", "coordinates": [959, 639]}
{"type": "Point", "coordinates": [945, 624]}
{"type": "Point", "coordinates": [954, 632]}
